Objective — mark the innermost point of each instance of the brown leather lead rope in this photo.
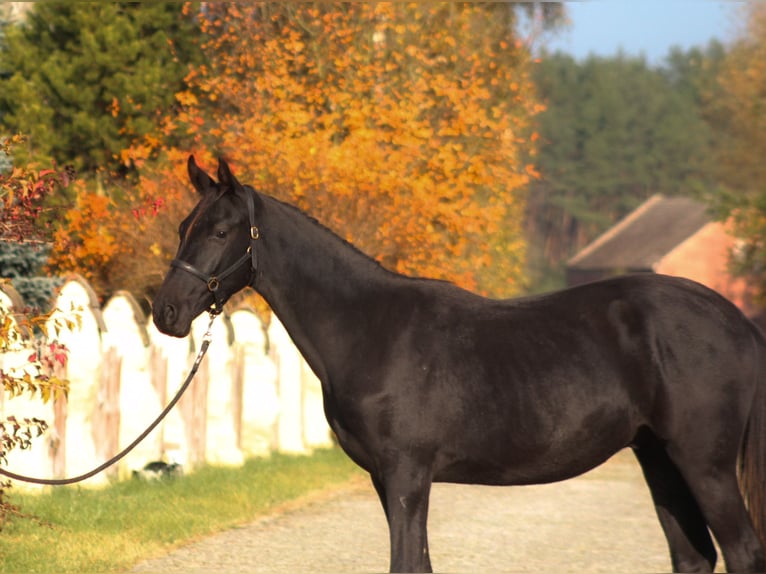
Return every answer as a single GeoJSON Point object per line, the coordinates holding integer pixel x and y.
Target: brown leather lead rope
{"type": "Point", "coordinates": [207, 337]}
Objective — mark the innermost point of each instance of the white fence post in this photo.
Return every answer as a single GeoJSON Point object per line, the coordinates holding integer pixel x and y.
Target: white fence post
{"type": "Point", "coordinates": [176, 357]}
{"type": "Point", "coordinates": [78, 441]}
{"type": "Point", "coordinates": [221, 440]}
{"type": "Point", "coordinates": [259, 401]}
{"type": "Point", "coordinates": [289, 389]}
{"type": "Point", "coordinates": [139, 403]}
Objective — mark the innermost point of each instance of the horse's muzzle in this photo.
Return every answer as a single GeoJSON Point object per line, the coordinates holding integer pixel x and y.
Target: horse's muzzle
{"type": "Point", "coordinates": [166, 319]}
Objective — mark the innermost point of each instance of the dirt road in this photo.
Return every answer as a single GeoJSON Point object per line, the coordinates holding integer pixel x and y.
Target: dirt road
{"type": "Point", "coordinates": [600, 522]}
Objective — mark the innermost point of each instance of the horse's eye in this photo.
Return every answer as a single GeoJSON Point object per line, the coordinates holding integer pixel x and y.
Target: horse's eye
{"type": "Point", "coordinates": [221, 234]}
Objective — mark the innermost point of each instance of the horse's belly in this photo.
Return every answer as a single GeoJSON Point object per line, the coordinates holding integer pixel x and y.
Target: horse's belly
{"type": "Point", "coordinates": [534, 460]}
{"type": "Point", "coordinates": [537, 472]}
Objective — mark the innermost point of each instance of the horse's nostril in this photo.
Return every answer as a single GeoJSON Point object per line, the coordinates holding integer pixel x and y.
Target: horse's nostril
{"type": "Point", "coordinates": [169, 314]}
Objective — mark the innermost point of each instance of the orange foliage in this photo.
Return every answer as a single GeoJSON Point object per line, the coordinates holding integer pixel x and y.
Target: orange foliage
{"type": "Point", "coordinates": [123, 243]}
{"type": "Point", "coordinates": [403, 126]}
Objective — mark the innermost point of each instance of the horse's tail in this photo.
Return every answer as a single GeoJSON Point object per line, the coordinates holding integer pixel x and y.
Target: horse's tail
{"type": "Point", "coordinates": [752, 459]}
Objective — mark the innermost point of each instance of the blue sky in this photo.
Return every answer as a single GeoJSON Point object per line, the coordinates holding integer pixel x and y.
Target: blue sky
{"type": "Point", "coordinates": [648, 27]}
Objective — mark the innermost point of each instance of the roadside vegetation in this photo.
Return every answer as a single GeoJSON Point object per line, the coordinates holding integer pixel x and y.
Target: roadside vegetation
{"type": "Point", "coordinates": [111, 529]}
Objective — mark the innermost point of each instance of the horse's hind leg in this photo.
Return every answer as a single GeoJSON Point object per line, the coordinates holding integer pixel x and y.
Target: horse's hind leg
{"type": "Point", "coordinates": [691, 548]}
{"type": "Point", "coordinates": [717, 493]}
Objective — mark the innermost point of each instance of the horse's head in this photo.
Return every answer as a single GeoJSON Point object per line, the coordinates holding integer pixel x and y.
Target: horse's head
{"type": "Point", "coordinates": [216, 256]}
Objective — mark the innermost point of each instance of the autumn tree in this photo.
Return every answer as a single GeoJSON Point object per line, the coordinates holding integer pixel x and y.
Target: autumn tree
{"type": "Point", "coordinates": [405, 127]}
{"type": "Point", "coordinates": [122, 240]}
{"type": "Point", "coordinates": [736, 113]}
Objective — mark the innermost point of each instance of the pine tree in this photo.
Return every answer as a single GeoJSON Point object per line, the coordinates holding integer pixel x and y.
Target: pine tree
{"type": "Point", "coordinates": [22, 262]}
{"type": "Point", "coordinates": [615, 131]}
{"type": "Point", "coordinates": [82, 80]}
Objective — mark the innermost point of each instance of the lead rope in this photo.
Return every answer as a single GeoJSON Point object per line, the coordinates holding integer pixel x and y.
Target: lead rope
{"type": "Point", "coordinates": [206, 338]}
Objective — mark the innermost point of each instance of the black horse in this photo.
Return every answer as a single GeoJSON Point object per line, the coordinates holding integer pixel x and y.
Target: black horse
{"type": "Point", "coordinates": [424, 382]}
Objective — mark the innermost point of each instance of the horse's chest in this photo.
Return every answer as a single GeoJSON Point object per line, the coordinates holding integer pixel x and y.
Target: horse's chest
{"type": "Point", "coordinates": [352, 442]}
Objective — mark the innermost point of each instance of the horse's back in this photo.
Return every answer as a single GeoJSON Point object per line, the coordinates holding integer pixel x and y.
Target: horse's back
{"type": "Point", "coordinates": [560, 382]}
{"type": "Point", "coordinates": [682, 346]}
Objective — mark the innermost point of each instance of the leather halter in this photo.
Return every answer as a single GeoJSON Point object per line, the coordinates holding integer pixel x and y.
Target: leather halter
{"type": "Point", "coordinates": [213, 280]}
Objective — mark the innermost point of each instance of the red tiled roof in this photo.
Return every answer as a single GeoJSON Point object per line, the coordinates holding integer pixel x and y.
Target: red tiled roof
{"type": "Point", "coordinates": [647, 234]}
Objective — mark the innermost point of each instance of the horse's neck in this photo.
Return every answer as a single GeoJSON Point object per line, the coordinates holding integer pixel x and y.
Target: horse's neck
{"type": "Point", "coordinates": [320, 287]}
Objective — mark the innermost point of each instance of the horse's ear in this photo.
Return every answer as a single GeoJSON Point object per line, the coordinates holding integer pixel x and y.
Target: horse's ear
{"type": "Point", "coordinates": [225, 177]}
{"type": "Point", "coordinates": [201, 181]}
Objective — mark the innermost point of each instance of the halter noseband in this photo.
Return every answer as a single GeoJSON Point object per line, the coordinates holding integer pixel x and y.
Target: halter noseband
{"type": "Point", "coordinates": [213, 281]}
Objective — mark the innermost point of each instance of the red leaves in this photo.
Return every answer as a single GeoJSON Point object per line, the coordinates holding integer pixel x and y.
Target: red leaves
{"type": "Point", "coordinates": [151, 205]}
{"type": "Point", "coordinates": [23, 194]}
{"type": "Point", "coordinates": [49, 356]}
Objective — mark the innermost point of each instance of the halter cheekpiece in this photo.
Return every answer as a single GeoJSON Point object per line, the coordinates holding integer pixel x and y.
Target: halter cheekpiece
{"type": "Point", "coordinates": [213, 281]}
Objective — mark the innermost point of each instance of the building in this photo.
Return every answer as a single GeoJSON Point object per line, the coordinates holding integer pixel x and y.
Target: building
{"type": "Point", "coordinates": [668, 235]}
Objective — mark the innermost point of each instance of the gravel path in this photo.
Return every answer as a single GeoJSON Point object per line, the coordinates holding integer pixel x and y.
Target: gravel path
{"type": "Point", "coordinates": [600, 522]}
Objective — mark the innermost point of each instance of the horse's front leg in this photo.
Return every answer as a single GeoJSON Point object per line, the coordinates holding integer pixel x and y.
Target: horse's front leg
{"type": "Point", "coordinates": [404, 492]}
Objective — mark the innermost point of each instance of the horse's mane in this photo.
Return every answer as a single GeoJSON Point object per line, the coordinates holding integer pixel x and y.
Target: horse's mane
{"type": "Point", "coordinates": [316, 223]}
{"type": "Point", "coordinates": [375, 264]}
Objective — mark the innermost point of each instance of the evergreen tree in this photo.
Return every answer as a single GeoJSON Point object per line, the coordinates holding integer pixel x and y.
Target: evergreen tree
{"type": "Point", "coordinates": [615, 132]}
{"type": "Point", "coordinates": [84, 79]}
{"type": "Point", "coordinates": [22, 262]}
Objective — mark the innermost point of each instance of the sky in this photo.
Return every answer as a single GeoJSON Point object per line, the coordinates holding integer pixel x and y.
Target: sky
{"type": "Point", "coordinates": [648, 27]}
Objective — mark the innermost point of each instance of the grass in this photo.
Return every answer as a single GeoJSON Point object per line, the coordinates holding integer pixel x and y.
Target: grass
{"type": "Point", "coordinates": [109, 530]}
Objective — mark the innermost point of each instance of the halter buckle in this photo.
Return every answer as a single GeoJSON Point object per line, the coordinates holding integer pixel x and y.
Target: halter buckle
{"type": "Point", "coordinates": [255, 233]}
{"type": "Point", "coordinates": [213, 284]}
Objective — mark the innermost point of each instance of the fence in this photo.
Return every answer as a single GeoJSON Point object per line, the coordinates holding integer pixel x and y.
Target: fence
{"type": "Point", "coordinates": [253, 394]}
